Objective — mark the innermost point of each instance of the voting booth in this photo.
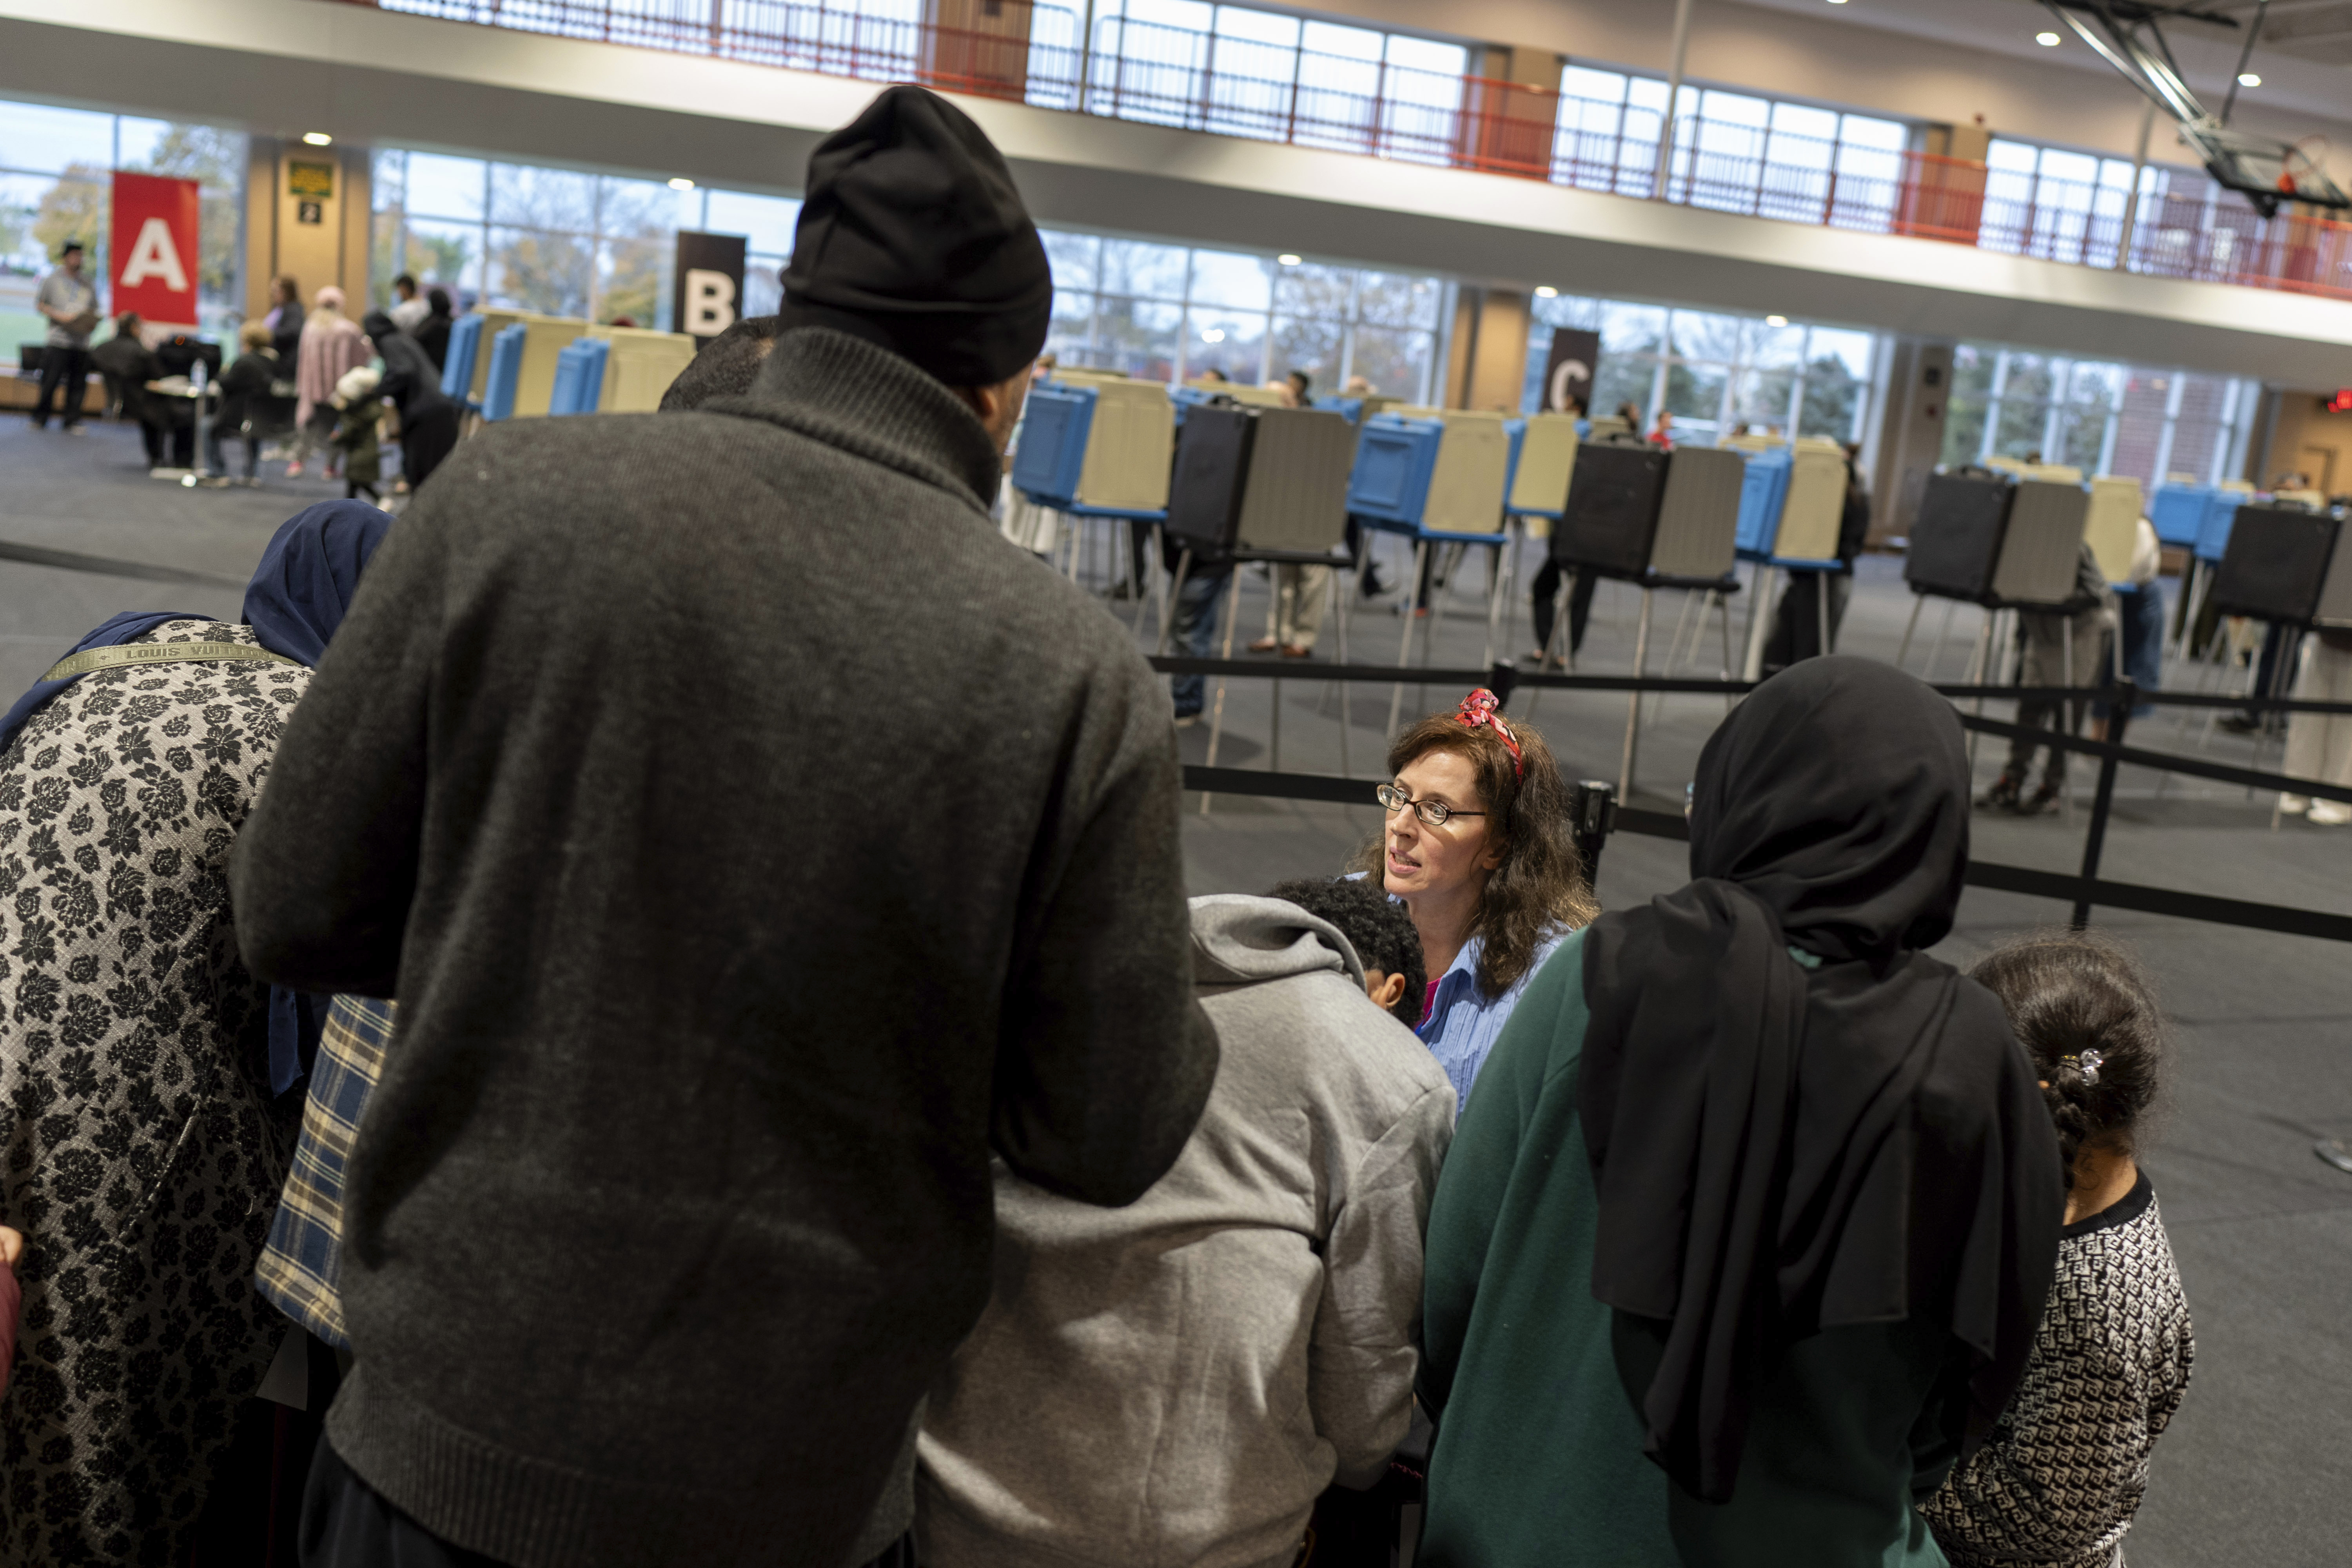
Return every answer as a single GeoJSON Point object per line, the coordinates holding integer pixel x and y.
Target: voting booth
{"type": "Point", "coordinates": [1542, 461]}
{"type": "Point", "coordinates": [460, 362]}
{"type": "Point", "coordinates": [578, 377]}
{"type": "Point", "coordinates": [2277, 565]}
{"type": "Point", "coordinates": [2111, 525]}
{"type": "Point", "coordinates": [1097, 446]}
{"type": "Point", "coordinates": [1791, 508]}
{"type": "Point", "coordinates": [502, 372]}
{"type": "Point", "coordinates": [1997, 541]}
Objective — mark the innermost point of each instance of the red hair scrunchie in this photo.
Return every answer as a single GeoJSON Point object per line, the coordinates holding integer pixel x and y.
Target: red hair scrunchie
{"type": "Point", "coordinates": [1482, 707]}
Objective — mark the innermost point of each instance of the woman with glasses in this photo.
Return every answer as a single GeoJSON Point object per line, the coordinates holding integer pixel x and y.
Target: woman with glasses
{"type": "Point", "coordinates": [1478, 846]}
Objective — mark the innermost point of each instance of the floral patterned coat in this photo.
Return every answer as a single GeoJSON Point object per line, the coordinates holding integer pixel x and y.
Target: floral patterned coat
{"type": "Point", "coordinates": [140, 1151]}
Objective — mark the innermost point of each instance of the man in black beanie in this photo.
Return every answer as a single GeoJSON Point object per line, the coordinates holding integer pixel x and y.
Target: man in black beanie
{"type": "Point", "coordinates": [733, 928]}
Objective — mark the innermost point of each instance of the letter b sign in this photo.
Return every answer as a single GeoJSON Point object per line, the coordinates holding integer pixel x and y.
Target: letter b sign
{"type": "Point", "coordinates": [708, 294]}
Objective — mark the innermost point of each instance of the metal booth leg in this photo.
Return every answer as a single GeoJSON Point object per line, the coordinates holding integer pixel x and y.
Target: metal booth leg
{"type": "Point", "coordinates": [1943, 635]}
{"type": "Point", "coordinates": [1758, 621]}
{"type": "Point", "coordinates": [1158, 579]}
{"type": "Point", "coordinates": [1919, 602]}
{"type": "Point", "coordinates": [1168, 608]}
{"type": "Point", "coordinates": [1339, 597]}
{"type": "Point", "coordinates": [1821, 603]}
{"type": "Point", "coordinates": [1723, 617]}
{"type": "Point", "coordinates": [1217, 715]}
{"type": "Point", "coordinates": [1980, 665]}
{"type": "Point", "coordinates": [1634, 706]}
{"type": "Point", "coordinates": [2066, 726]}
{"type": "Point", "coordinates": [1405, 643]}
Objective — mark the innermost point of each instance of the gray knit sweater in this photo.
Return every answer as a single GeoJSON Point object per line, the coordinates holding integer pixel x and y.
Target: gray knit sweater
{"type": "Point", "coordinates": [754, 839]}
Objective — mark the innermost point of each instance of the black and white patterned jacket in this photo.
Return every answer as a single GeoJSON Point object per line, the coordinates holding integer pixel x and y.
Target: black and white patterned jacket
{"type": "Point", "coordinates": [2057, 1484]}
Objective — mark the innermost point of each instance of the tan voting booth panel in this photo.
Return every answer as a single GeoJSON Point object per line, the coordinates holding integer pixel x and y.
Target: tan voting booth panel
{"type": "Point", "coordinates": [640, 366]}
{"type": "Point", "coordinates": [544, 336]}
{"type": "Point", "coordinates": [1816, 503]}
{"type": "Point", "coordinates": [1547, 459]}
{"type": "Point", "coordinates": [1130, 446]}
{"type": "Point", "coordinates": [2051, 473]}
{"type": "Point", "coordinates": [1247, 396]}
{"type": "Point", "coordinates": [1474, 456]}
{"type": "Point", "coordinates": [1298, 494]}
{"type": "Point", "coordinates": [2111, 528]}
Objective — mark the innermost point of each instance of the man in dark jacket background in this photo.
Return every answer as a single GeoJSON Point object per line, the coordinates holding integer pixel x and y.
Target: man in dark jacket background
{"type": "Point", "coordinates": [732, 926]}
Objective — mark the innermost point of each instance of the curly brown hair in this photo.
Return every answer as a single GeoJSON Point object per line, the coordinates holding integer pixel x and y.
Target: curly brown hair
{"type": "Point", "coordinates": [1541, 884]}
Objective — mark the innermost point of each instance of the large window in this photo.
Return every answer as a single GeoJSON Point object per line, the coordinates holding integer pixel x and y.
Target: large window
{"type": "Point", "coordinates": [1714, 374]}
{"type": "Point", "coordinates": [56, 184]}
{"type": "Point", "coordinates": [593, 246]}
{"type": "Point", "coordinates": [2102, 417]}
{"type": "Point", "coordinates": [1173, 313]}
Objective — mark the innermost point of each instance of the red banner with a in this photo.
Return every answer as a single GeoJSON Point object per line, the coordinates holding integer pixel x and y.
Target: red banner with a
{"type": "Point", "coordinates": [154, 255]}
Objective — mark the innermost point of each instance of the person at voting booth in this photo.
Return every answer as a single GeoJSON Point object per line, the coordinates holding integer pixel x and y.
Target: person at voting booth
{"type": "Point", "coordinates": [733, 928]}
{"type": "Point", "coordinates": [147, 1097]}
{"type": "Point", "coordinates": [1176, 1381]}
{"type": "Point", "coordinates": [2045, 659]}
{"type": "Point", "coordinates": [1746, 1233]}
{"type": "Point", "coordinates": [2320, 745]}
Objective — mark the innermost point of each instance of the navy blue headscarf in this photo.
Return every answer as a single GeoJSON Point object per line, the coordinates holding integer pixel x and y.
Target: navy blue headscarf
{"type": "Point", "coordinates": [298, 597]}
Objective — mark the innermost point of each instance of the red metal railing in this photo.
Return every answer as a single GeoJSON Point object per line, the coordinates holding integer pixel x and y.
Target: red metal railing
{"type": "Point", "coordinates": [1237, 87]}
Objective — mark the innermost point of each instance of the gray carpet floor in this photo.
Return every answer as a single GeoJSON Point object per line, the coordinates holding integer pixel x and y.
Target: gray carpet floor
{"type": "Point", "coordinates": [2258, 1466]}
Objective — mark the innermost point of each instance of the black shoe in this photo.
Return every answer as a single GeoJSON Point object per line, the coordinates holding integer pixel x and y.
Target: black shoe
{"type": "Point", "coordinates": [2003, 796]}
{"type": "Point", "coordinates": [2240, 724]}
{"type": "Point", "coordinates": [2043, 799]}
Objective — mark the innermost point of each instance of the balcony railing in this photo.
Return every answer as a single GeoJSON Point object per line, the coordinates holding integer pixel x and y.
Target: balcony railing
{"type": "Point", "coordinates": [2181, 226]}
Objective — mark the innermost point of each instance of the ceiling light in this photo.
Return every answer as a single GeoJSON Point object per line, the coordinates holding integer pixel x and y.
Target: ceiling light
{"type": "Point", "coordinates": [318, 138]}
{"type": "Point", "coordinates": [1837, 2]}
{"type": "Point", "coordinates": [1288, 260]}
{"type": "Point", "coordinates": [1776, 320]}
{"type": "Point", "coordinates": [1214, 335]}
{"type": "Point", "coordinates": [681, 184]}
{"type": "Point", "coordinates": [2248, 78]}
{"type": "Point", "coordinates": [2047, 40]}
{"type": "Point", "coordinates": [1546, 292]}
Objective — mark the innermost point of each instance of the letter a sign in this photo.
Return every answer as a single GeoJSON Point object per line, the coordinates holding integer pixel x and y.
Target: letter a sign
{"type": "Point", "coordinates": [153, 257]}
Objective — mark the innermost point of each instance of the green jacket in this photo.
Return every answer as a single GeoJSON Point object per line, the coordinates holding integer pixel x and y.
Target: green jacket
{"type": "Point", "coordinates": [1539, 1461]}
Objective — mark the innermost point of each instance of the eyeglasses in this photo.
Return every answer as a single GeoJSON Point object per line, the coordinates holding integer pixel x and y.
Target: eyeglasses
{"type": "Point", "coordinates": [1432, 812]}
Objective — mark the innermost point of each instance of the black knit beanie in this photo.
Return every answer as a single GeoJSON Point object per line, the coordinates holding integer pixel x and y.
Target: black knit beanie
{"type": "Point", "coordinates": [912, 235]}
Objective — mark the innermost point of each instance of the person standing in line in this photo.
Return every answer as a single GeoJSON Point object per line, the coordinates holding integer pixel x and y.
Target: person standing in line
{"type": "Point", "coordinates": [2056, 647]}
{"type": "Point", "coordinates": [1543, 595]}
{"type": "Point", "coordinates": [409, 308]}
{"type": "Point", "coordinates": [1479, 848]}
{"type": "Point", "coordinates": [2139, 623]}
{"type": "Point", "coordinates": [285, 318]}
{"type": "Point", "coordinates": [1097, 1414]}
{"type": "Point", "coordinates": [726, 959]}
{"type": "Point", "coordinates": [432, 334]}
{"type": "Point", "coordinates": [69, 303]}
{"type": "Point", "coordinates": [332, 347]}
{"type": "Point", "coordinates": [2059, 1481]}
{"type": "Point", "coordinates": [429, 418]}
{"type": "Point", "coordinates": [1745, 1235]}
{"type": "Point", "coordinates": [146, 1073]}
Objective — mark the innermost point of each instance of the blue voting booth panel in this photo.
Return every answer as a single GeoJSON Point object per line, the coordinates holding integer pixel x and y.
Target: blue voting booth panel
{"type": "Point", "coordinates": [1762, 495]}
{"type": "Point", "coordinates": [579, 376]}
{"type": "Point", "coordinates": [1185, 397]}
{"type": "Point", "coordinates": [2179, 513]}
{"type": "Point", "coordinates": [505, 370]}
{"type": "Point", "coordinates": [1394, 459]}
{"type": "Point", "coordinates": [1514, 432]}
{"type": "Point", "coordinates": [457, 362]}
{"type": "Point", "coordinates": [2221, 514]}
{"type": "Point", "coordinates": [1353, 408]}
{"type": "Point", "coordinates": [1053, 452]}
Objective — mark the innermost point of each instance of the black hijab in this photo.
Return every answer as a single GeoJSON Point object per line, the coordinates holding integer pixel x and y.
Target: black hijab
{"type": "Point", "coordinates": [1776, 1149]}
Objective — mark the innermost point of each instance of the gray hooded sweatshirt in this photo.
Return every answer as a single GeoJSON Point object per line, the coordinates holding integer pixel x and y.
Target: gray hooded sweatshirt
{"type": "Point", "coordinates": [1174, 1382]}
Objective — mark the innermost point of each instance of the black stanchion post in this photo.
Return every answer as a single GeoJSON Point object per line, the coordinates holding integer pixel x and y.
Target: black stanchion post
{"type": "Point", "coordinates": [2127, 695]}
{"type": "Point", "coordinates": [1500, 679]}
{"type": "Point", "coordinates": [1592, 816]}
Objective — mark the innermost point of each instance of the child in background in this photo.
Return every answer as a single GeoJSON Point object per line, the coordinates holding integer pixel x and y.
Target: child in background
{"type": "Point", "coordinates": [2060, 1479]}
{"type": "Point", "coordinates": [1380, 929]}
{"type": "Point", "coordinates": [360, 413]}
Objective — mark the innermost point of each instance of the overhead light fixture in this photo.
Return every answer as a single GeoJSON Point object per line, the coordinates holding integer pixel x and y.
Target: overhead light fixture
{"type": "Point", "coordinates": [1287, 260]}
{"type": "Point", "coordinates": [318, 138]}
{"type": "Point", "coordinates": [681, 184]}
{"type": "Point", "coordinates": [1214, 335]}
{"type": "Point", "coordinates": [1776, 320]}
{"type": "Point", "coordinates": [1546, 292]}
{"type": "Point", "coordinates": [2248, 78]}
{"type": "Point", "coordinates": [2047, 40]}
{"type": "Point", "coordinates": [1837, 2]}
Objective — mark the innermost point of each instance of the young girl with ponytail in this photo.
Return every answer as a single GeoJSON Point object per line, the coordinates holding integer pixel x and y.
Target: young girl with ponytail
{"type": "Point", "coordinates": [2061, 1476]}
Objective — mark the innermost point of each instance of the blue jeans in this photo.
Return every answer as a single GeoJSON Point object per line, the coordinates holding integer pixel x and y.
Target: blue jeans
{"type": "Point", "coordinates": [2141, 610]}
{"type": "Point", "coordinates": [1198, 605]}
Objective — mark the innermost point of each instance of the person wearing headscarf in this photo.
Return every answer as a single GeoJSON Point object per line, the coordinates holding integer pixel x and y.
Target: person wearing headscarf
{"type": "Point", "coordinates": [332, 347]}
{"type": "Point", "coordinates": [145, 1118]}
{"type": "Point", "coordinates": [733, 933]}
{"type": "Point", "coordinates": [432, 334]}
{"type": "Point", "coordinates": [428, 419]}
{"type": "Point", "coordinates": [1745, 1236]}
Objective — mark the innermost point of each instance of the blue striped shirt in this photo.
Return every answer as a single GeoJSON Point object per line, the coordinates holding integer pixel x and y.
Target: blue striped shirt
{"type": "Point", "coordinates": [1463, 1027]}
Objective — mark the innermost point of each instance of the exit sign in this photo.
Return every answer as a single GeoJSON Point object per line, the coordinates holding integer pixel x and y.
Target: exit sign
{"type": "Point", "coordinates": [2341, 402]}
